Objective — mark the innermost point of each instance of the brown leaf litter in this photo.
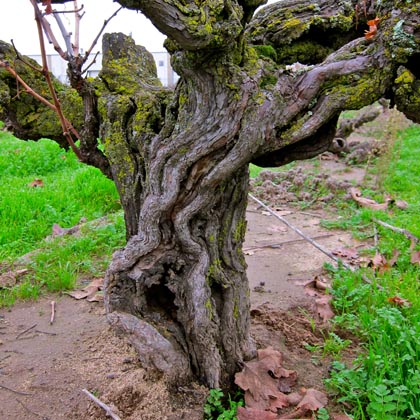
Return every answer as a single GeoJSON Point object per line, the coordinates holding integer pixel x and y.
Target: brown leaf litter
{"type": "Point", "coordinates": [262, 379]}
{"type": "Point", "coordinates": [91, 292]}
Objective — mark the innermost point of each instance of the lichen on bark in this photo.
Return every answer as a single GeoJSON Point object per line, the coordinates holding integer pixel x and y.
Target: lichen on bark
{"type": "Point", "coordinates": [24, 115]}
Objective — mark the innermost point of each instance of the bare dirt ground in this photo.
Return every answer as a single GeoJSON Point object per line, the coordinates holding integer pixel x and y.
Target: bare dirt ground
{"type": "Point", "coordinates": [43, 367]}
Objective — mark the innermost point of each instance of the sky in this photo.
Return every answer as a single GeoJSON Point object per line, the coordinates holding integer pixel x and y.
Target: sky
{"type": "Point", "coordinates": [18, 23]}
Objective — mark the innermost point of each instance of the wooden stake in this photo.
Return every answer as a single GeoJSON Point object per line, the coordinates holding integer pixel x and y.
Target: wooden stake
{"type": "Point", "coordinates": [105, 407]}
{"type": "Point", "coordinates": [52, 312]}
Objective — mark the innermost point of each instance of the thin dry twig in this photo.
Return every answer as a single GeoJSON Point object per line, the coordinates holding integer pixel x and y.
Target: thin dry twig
{"type": "Point", "coordinates": [42, 23]}
{"type": "Point", "coordinates": [45, 26]}
{"type": "Point", "coordinates": [405, 232]}
{"type": "Point", "coordinates": [28, 89]}
{"type": "Point", "coordinates": [95, 41]}
{"type": "Point", "coordinates": [310, 240]}
{"type": "Point", "coordinates": [288, 242]}
{"type": "Point", "coordinates": [27, 63]}
{"type": "Point", "coordinates": [101, 404]}
{"type": "Point", "coordinates": [375, 236]}
{"type": "Point", "coordinates": [52, 312]}
{"type": "Point", "coordinates": [91, 64]}
{"type": "Point", "coordinates": [77, 18]}
{"type": "Point", "coordinates": [45, 332]}
{"type": "Point", "coordinates": [65, 33]}
{"type": "Point", "coordinates": [24, 332]}
{"type": "Point", "coordinates": [300, 233]}
{"type": "Point", "coordinates": [14, 391]}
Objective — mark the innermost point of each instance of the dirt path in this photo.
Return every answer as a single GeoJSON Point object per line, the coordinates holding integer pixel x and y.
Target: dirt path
{"type": "Point", "coordinates": [278, 258]}
{"type": "Point", "coordinates": [43, 370]}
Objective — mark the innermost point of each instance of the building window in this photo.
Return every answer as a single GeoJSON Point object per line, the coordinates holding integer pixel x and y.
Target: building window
{"type": "Point", "coordinates": [161, 63]}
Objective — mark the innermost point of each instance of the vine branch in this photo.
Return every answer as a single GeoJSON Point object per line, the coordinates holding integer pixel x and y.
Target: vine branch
{"type": "Point", "coordinates": [45, 71]}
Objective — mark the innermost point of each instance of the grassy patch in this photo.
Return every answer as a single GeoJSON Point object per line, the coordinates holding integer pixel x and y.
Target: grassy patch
{"type": "Point", "coordinates": [64, 260]}
{"type": "Point", "coordinates": [255, 170]}
{"type": "Point", "coordinates": [384, 382]}
{"type": "Point", "coordinates": [71, 191]}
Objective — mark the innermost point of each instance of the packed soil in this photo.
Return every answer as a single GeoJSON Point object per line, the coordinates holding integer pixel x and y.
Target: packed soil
{"type": "Point", "coordinates": [44, 367]}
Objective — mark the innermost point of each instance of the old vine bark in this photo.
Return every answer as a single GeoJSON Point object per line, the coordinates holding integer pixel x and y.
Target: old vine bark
{"type": "Point", "coordinates": [265, 88]}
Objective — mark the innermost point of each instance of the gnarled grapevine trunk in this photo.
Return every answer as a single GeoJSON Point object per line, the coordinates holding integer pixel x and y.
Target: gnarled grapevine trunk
{"type": "Point", "coordinates": [182, 271]}
{"type": "Point", "coordinates": [265, 88]}
{"type": "Point", "coordinates": [190, 287]}
{"type": "Point", "coordinates": [179, 287]}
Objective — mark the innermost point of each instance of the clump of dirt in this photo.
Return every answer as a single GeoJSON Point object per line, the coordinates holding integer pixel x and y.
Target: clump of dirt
{"type": "Point", "coordinates": [297, 186]}
{"type": "Point", "coordinates": [44, 367]}
{"type": "Point", "coordinates": [362, 151]}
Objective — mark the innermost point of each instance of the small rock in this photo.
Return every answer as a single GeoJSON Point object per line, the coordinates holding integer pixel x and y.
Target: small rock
{"type": "Point", "coordinates": [111, 376]}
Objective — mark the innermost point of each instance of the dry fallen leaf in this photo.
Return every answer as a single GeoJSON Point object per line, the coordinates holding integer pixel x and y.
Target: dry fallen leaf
{"type": "Point", "coordinates": [373, 28]}
{"type": "Point", "coordinates": [399, 301]}
{"type": "Point", "coordinates": [253, 414]}
{"type": "Point", "coordinates": [313, 400]}
{"type": "Point", "coordinates": [341, 417]}
{"type": "Point", "coordinates": [287, 380]}
{"type": "Point", "coordinates": [367, 202]}
{"type": "Point", "coordinates": [90, 291]}
{"type": "Point", "coordinates": [294, 398]}
{"type": "Point", "coordinates": [415, 257]}
{"type": "Point", "coordinates": [98, 297]}
{"type": "Point", "coordinates": [322, 284]}
{"type": "Point", "coordinates": [323, 307]}
{"type": "Point", "coordinates": [259, 380]}
{"type": "Point", "coordinates": [10, 278]}
{"type": "Point", "coordinates": [315, 287]}
{"type": "Point", "coordinates": [377, 262]}
{"type": "Point", "coordinates": [401, 204]}
{"type": "Point", "coordinates": [380, 263]}
{"type": "Point", "coordinates": [36, 183]}
{"type": "Point", "coordinates": [393, 260]}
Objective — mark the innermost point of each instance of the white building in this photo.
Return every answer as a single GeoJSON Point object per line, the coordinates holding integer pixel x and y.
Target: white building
{"type": "Point", "coordinates": [58, 67]}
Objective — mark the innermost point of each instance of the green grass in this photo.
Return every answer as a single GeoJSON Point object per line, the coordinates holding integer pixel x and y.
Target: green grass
{"type": "Point", "coordinates": [383, 383]}
{"type": "Point", "coordinates": [71, 191]}
{"type": "Point", "coordinates": [60, 263]}
{"type": "Point", "coordinates": [255, 170]}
